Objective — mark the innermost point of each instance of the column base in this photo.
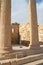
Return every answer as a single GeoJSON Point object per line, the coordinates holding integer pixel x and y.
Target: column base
{"type": "Point", "coordinates": [6, 52]}
{"type": "Point", "coordinates": [34, 47]}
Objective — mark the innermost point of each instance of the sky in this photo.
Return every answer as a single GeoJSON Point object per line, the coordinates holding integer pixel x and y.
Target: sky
{"type": "Point", "coordinates": [20, 11]}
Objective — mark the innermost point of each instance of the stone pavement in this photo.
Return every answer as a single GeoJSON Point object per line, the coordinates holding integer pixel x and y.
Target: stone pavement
{"type": "Point", "coordinates": [21, 61]}
{"type": "Point", "coordinates": [19, 48]}
{"type": "Point", "coordinates": [23, 55]}
{"type": "Point", "coordinates": [38, 62]}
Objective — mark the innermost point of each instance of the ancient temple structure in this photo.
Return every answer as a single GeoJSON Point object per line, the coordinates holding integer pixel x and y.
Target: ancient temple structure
{"type": "Point", "coordinates": [5, 26]}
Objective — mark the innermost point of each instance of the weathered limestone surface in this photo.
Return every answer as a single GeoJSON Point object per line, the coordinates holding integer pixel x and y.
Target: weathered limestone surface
{"type": "Point", "coordinates": [19, 61]}
{"type": "Point", "coordinates": [40, 33]}
{"type": "Point", "coordinates": [34, 41]}
{"type": "Point", "coordinates": [5, 26]}
{"type": "Point", "coordinates": [8, 63]}
{"type": "Point", "coordinates": [24, 31]}
{"type": "Point", "coordinates": [0, 8]}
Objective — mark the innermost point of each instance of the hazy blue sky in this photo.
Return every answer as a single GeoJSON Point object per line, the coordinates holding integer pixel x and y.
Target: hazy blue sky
{"type": "Point", "coordinates": [20, 11]}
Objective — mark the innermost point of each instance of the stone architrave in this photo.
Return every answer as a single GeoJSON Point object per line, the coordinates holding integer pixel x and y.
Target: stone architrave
{"type": "Point", "coordinates": [34, 41]}
{"type": "Point", "coordinates": [5, 27]}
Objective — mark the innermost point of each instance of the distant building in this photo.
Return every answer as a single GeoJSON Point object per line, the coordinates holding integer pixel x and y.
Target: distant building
{"type": "Point", "coordinates": [15, 33]}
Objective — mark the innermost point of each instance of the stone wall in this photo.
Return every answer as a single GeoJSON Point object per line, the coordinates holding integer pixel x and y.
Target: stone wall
{"type": "Point", "coordinates": [22, 33]}
{"type": "Point", "coordinates": [15, 33]}
{"type": "Point", "coordinates": [41, 33]}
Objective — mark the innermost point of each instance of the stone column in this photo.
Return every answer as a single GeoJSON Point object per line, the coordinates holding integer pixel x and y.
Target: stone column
{"type": "Point", "coordinates": [5, 26]}
{"type": "Point", "coordinates": [34, 41]}
{"type": "Point", "coordinates": [0, 9]}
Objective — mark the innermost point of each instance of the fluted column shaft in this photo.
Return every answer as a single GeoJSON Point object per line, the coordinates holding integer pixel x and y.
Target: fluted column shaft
{"type": "Point", "coordinates": [5, 26]}
{"type": "Point", "coordinates": [34, 41]}
{"type": "Point", "coordinates": [0, 9]}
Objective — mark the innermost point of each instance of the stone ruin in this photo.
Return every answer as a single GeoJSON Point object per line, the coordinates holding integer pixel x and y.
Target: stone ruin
{"type": "Point", "coordinates": [7, 55]}
{"type": "Point", "coordinates": [23, 31]}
